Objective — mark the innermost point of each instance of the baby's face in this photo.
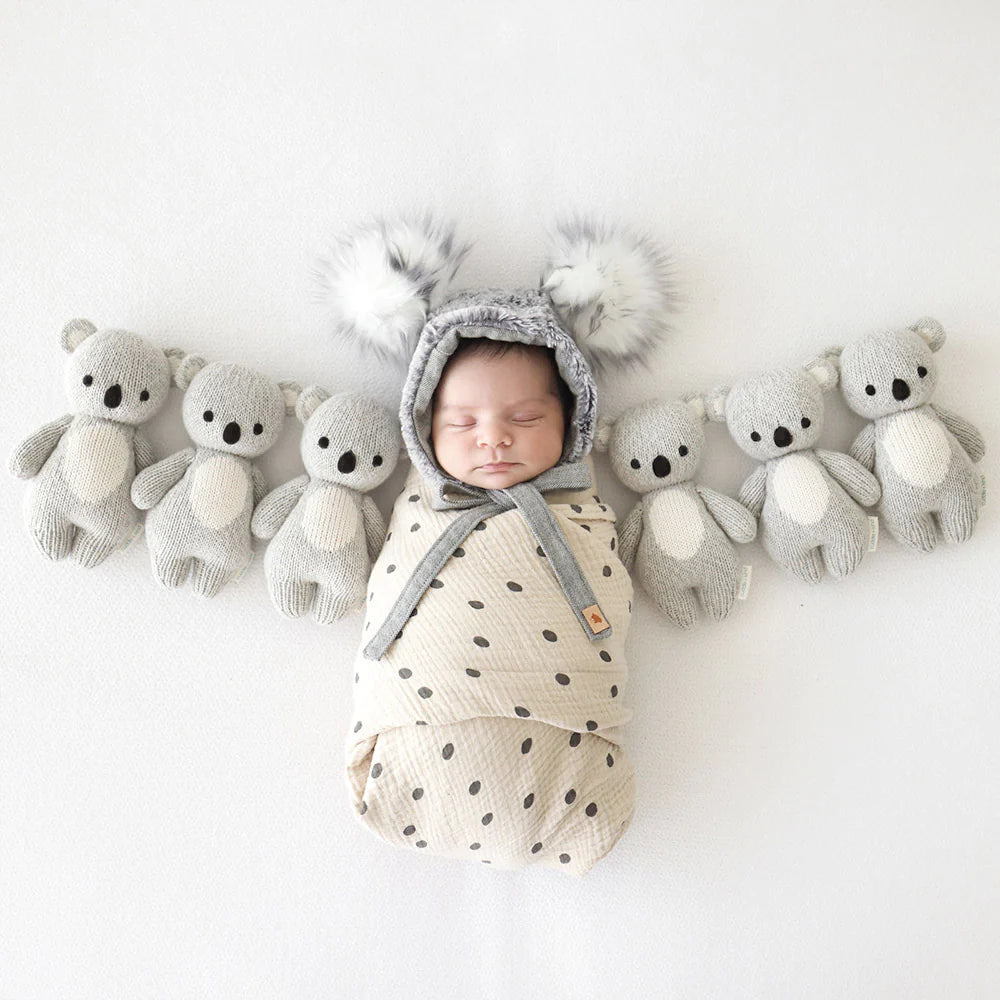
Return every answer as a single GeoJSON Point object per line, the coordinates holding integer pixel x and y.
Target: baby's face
{"type": "Point", "coordinates": [497, 421]}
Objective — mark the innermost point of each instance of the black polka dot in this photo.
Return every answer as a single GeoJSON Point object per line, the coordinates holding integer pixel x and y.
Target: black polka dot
{"type": "Point", "coordinates": [356, 678]}
{"type": "Point", "coordinates": [391, 568]}
{"type": "Point", "coordinates": [515, 587]}
{"type": "Point", "coordinates": [364, 808]}
{"type": "Point", "coordinates": [371, 596]}
{"type": "Point", "coordinates": [420, 843]}
{"type": "Point", "coordinates": [475, 787]}
{"type": "Point", "coordinates": [574, 740]}
{"type": "Point", "coordinates": [564, 859]}
{"type": "Point", "coordinates": [539, 550]}
{"type": "Point", "coordinates": [613, 542]}
{"type": "Point", "coordinates": [606, 571]}
{"type": "Point", "coordinates": [591, 725]}
{"type": "Point", "coordinates": [481, 526]}
{"type": "Point", "coordinates": [475, 847]}
{"type": "Point", "coordinates": [406, 673]}
{"type": "Point", "coordinates": [413, 497]}
{"type": "Point", "coordinates": [529, 800]}
{"type": "Point", "coordinates": [576, 507]}
{"type": "Point", "coordinates": [562, 679]}
{"type": "Point", "coordinates": [459, 552]}
{"type": "Point", "coordinates": [424, 692]}
{"type": "Point", "coordinates": [408, 831]}
{"type": "Point", "coordinates": [526, 745]}
{"type": "Point", "coordinates": [471, 672]}
{"type": "Point", "coordinates": [436, 584]}
{"type": "Point", "coordinates": [480, 641]}
{"type": "Point", "coordinates": [614, 690]}
{"type": "Point", "coordinates": [605, 655]}
{"type": "Point", "coordinates": [387, 537]}
{"type": "Point", "coordinates": [487, 819]}
{"type": "Point", "coordinates": [570, 797]}
{"type": "Point", "coordinates": [549, 635]}
{"type": "Point", "coordinates": [478, 605]}
{"type": "Point", "coordinates": [357, 728]}
{"type": "Point", "coordinates": [604, 509]}
{"type": "Point", "coordinates": [413, 613]}
{"type": "Point", "coordinates": [586, 527]}
{"type": "Point", "coordinates": [414, 527]}
{"type": "Point", "coordinates": [418, 793]}
{"type": "Point", "coordinates": [611, 761]}
{"type": "Point", "coordinates": [521, 711]}
{"type": "Point", "coordinates": [536, 848]}
{"type": "Point", "coordinates": [376, 770]}
{"type": "Point", "coordinates": [591, 810]}
{"type": "Point", "coordinates": [448, 750]}
{"type": "Point", "coordinates": [486, 862]}
{"type": "Point", "coordinates": [420, 722]}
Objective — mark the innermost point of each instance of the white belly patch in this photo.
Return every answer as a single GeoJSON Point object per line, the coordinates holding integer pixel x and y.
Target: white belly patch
{"type": "Point", "coordinates": [800, 489]}
{"type": "Point", "coordinates": [95, 461]}
{"type": "Point", "coordinates": [331, 519]}
{"type": "Point", "coordinates": [675, 518]}
{"type": "Point", "coordinates": [917, 448]}
{"type": "Point", "coordinates": [219, 489]}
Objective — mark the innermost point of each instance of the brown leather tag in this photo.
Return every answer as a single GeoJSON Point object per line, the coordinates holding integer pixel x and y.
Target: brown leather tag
{"type": "Point", "coordinates": [595, 619]}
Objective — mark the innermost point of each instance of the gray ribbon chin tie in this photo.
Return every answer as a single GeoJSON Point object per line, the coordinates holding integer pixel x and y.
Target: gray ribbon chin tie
{"type": "Point", "coordinates": [480, 504]}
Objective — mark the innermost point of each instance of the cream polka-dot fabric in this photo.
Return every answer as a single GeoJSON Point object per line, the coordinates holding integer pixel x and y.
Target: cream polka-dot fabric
{"type": "Point", "coordinates": [489, 729]}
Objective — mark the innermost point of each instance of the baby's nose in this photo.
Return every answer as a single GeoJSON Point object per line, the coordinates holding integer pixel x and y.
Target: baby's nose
{"type": "Point", "coordinates": [492, 435]}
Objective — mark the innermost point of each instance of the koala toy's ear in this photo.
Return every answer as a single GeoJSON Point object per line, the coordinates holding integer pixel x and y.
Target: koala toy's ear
{"type": "Point", "coordinates": [824, 370]}
{"type": "Point", "coordinates": [715, 404]}
{"type": "Point", "coordinates": [602, 434]}
{"type": "Point", "coordinates": [74, 333]}
{"type": "Point", "coordinates": [185, 368]}
{"type": "Point", "coordinates": [931, 331]}
{"type": "Point", "coordinates": [174, 358]}
{"type": "Point", "coordinates": [291, 392]}
{"type": "Point", "coordinates": [308, 401]}
{"type": "Point", "coordinates": [696, 404]}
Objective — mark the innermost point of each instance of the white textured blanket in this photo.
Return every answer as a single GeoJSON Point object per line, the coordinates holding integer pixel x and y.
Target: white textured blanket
{"type": "Point", "coordinates": [489, 729]}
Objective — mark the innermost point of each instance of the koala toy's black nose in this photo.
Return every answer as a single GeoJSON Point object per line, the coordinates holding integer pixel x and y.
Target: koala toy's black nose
{"type": "Point", "coordinates": [231, 432]}
{"type": "Point", "coordinates": [782, 437]}
{"type": "Point", "coordinates": [347, 461]}
{"type": "Point", "coordinates": [900, 390]}
{"type": "Point", "coordinates": [113, 396]}
{"type": "Point", "coordinates": [661, 467]}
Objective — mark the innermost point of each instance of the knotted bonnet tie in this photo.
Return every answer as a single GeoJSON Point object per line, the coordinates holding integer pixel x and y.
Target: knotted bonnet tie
{"type": "Point", "coordinates": [480, 504]}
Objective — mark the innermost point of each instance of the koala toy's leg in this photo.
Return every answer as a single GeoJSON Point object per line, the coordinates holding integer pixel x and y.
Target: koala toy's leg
{"type": "Point", "coordinates": [209, 578]}
{"type": "Point", "coordinates": [806, 564]}
{"type": "Point", "coordinates": [171, 571]}
{"type": "Point", "coordinates": [717, 596]}
{"type": "Point", "coordinates": [957, 519]}
{"type": "Point", "coordinates": [331, 605]}
{"type": "Point", "coordinates": [915, 530]}
{"type": "Point", "coordinates": [90, 549]}
{"type": "Point", "coordinates": [844, 554]}
{"type": "Point", "coordinates": [678, 604]}
{"type": "Point", "coordinates": [52, 533]}
{"type": "Point", "coordinates": [292, 598]}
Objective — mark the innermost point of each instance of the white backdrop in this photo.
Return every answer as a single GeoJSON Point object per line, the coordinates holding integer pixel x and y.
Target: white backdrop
{"type": "Point", "coordinates": [818, 804]}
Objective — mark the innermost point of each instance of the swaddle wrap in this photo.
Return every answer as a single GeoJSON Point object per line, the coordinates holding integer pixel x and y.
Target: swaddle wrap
{"type": "Point", "coordinates": [488, 730]}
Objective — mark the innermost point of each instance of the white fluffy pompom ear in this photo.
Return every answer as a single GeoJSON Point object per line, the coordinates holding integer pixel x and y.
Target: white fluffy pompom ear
{"type": "Point", "coordinates": [380, 280]}
{"type": "Point", "coordinates": [602, 434]}
{"type": "Point", "coordinates": [290, 392]}
{"type": "Point", "coordinates": [715, 404]}
{"type": "Point", "coordinates": [931, 331]}
{"type": "Point", "coordinates": [825, 371]}
{"type": "Point", "coordinates": [696, 404]}
{"type": "Point", "coordinates": [612, 289]}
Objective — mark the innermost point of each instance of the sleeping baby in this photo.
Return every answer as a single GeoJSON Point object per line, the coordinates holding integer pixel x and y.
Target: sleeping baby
{"type": "Point", "coordinates": [488, 691]}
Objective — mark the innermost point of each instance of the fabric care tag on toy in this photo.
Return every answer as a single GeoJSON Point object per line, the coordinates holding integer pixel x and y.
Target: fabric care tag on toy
{"type": "Point", "coordinates": [872, 533]}
{"type": "Point", "coordinates": [131, 538]}
{"type": "Point", "coordinates": [744, 589]}
{"type": "Point", "coordinates": [239, 576]}
{"type": "Point", "coordinates": [595, 619]}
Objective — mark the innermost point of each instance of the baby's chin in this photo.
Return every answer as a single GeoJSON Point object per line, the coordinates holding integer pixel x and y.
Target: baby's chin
{"type": "Point", "coordinates": [501, 478]}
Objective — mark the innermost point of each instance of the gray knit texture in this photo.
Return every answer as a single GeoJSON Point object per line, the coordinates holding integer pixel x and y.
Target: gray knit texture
{"type": "Point", "coordinates": [325, 531]}
{"type": "Point", "coordinates": [806, 499]}
{"type": "Point", "coordinates": [200, 500]}
{"type": "Point", "coordinates": [82, 465]}
{"type": "Point", "coordinates": [920, 453]}
{"type": "Point", "coordinates": [678, 535]}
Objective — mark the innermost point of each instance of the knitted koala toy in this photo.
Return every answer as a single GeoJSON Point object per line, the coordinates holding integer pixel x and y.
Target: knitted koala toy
{"type": "Point", "coordinates": [798, 492]}
{"type": "Point", "coordinates": [200, 500]}
{"type": "Point", "coordinates": [921, 453]}
{"type": "Point", "coordinates": [676, 535]}
{"type": "Point", "coordinates": [83, 463]}
{"type": "Point", "coordinates": [326, 532]}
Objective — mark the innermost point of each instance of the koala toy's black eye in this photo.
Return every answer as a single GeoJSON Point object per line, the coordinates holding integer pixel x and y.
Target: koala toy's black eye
{"type": "Point", "coordinates": [208, 416]}
{"type": "Point", "coordinates": [754, 436]}
{"type": "Point", "coordinates": [635, 463]}
{"type": "Point", "coordinates": [682, 450]}
{"type": "Point", "coordinates": [144, 395]}
{"type": "Point", "coordinates": [258, 428]}
{"type": "Point", "coordinates": [324, 442]}
{"type": "Point", "coordinates": [870, 389]}
{"type": "Point", "coordinates": [806, 421]}
{"type": "Point", "coordinates": [88, 379]}
{"type": "Point", "coordinates": [921, 371]}
{"type": "Point", "coordinates": [377, 461]}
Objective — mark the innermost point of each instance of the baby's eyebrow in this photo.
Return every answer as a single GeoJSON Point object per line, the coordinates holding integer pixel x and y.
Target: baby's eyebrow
{"type": "Point", "coordinates": [473, 406]}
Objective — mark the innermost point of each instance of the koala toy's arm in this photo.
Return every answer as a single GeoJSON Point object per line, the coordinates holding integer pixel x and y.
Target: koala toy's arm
{"type": "Point", "coordinates": [151, 485]}
{"type": "Point", "coordinates": [143, 452]}
{"type": "Point", "coordinates": [273, 510]}
{"type": "Point", "coordinates": [754, 490]}
{"type": "Point", "coordinates": [34, 451]}
{"type": "Point", "coordinates": [259, 485]}
{"type": "Point", "coordinates": [852, 475]}
{"type": "Point", "coordinates": [374, 527]}
{"type": "Point", "coordinates": [629, 536]}
{"type": "Point", "coordinates": [730, 515]}
{"type": "Point", "coordinates": [967, 434]}
{"type": "Point", "coordinates": [863, 448]}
